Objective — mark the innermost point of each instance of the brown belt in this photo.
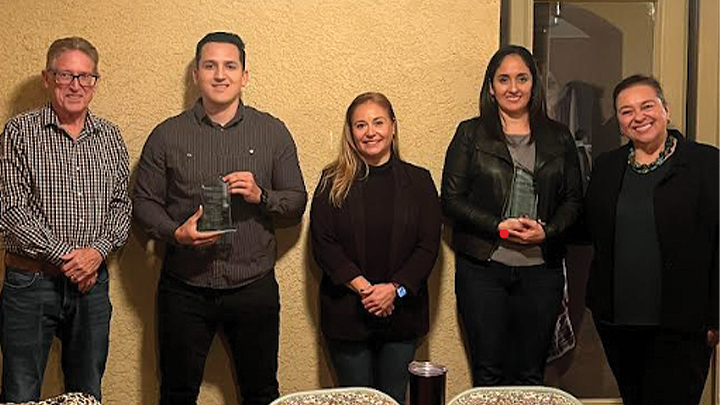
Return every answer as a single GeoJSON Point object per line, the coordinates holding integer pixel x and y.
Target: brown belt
{"type": "Point", "coordinates": [30, 265]}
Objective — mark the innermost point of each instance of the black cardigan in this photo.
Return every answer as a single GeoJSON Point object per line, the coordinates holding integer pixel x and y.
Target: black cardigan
{"type": "Point", "coordinates": [686, 216]}
{"type": "Point", "coordinates": [338, 244]}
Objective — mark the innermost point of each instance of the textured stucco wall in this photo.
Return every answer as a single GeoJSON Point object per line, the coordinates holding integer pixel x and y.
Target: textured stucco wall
{"type": "Point", "coordinates": [307, 60]}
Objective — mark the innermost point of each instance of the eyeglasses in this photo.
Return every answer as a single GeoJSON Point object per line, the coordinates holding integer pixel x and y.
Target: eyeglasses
{"type": "Point", "coordinates": [84, 79]}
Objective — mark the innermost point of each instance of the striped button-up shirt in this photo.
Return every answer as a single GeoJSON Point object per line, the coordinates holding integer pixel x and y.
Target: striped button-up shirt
{"type": "Point", "coordinates": [58, 194]}
{"type": "Point", "coordinates": [188, 151]}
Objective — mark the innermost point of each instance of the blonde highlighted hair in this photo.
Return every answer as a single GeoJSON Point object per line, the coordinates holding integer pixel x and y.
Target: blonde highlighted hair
{"type": "Point", "coordinates": [350, 165]}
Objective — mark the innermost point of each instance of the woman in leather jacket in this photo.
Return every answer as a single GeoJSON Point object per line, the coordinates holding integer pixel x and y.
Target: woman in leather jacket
{"type": "Point", "coordinates": [512, 187]}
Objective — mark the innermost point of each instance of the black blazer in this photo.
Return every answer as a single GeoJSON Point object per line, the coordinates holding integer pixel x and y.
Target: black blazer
{"type": "Point", "coordinates": [338, 244]}
{"type": "Point", "coordinates": [686, 217]}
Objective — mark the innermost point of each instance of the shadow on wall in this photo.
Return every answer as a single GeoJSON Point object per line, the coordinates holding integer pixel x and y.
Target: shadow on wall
{"type": "Point", "coordinates": [28, 95]}
{"type": "Point", "coordinates": [326, 375]}
{"type": "Point", "coordinates": [434, 288]}
{"type": "Point", "coordinates": [191, 91]}
{"type": "Point", "coordinates": [139, 263]}
{"type": "Point", "coordinates": [447, 240]}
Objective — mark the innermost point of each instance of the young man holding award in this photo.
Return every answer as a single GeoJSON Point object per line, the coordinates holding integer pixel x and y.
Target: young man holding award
{"type": "Point", "coordinates": [228, 169]}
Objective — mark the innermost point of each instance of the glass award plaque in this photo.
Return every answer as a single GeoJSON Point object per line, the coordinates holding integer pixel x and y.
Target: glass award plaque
{"type": "Point", "coordinates": [523, 200]}
{"type": "Point", "coordinates": [216, 208]}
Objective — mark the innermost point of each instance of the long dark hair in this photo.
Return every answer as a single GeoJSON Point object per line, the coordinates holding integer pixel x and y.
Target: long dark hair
{"type": "Point", "coordinates": [489, 113]}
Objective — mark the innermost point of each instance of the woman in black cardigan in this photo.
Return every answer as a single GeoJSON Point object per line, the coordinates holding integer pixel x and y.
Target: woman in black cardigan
{"type": "Point", "coordinates": [375, 226]}
{"type": "Point", "coordinates": [652, 209]}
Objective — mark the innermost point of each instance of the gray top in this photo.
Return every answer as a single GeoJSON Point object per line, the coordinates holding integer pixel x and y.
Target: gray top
{"type": "Point", "coordinates": [189, 150]}
{"type": "Point", "coordinates": [508, 253]}
{"type": "Point", "coordinates": [58, 194]}
{"type": "Point", "coordinates": [521, 150]}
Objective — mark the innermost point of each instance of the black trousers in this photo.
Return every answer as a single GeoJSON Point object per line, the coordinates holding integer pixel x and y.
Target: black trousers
{"type": "Point", "coordinates": [189, 317]}
{"type": "Point", "coordinates": [656, 366]}
{"type": "Point", "coordinates": [509, 315]}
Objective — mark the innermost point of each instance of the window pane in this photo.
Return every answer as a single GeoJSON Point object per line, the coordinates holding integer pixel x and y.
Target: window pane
{"type": "Point", "coordinates": [584, 49]}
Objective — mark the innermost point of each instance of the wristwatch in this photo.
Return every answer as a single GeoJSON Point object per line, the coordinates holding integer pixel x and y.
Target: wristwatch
{"type": "Point", "coordinates": [263, 197]}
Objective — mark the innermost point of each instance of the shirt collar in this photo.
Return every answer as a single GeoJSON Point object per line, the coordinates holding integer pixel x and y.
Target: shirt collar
{"type": "Point", "coordinates": [201, 116]}
{"type": "Point", "coordinates": [50, 118]}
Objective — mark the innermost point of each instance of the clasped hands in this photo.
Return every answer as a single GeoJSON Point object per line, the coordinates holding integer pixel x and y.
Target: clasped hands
{"type": "Point", "coordinates": [242, 183]}
{"type": "Point", "coordinates": [377, 299]}
{"type": "Point", "coordinates": [81, 266]}
{"type": "Point", "coordinates": [523, 230]}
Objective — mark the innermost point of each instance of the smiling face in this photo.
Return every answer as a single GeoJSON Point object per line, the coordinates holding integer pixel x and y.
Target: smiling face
{"type": "Point", "coordinates": [373, 130]}
{"type": "Point", "coordinates": [70, 100]}
{"type": "Point", "coordinates": [642, 115]}
{"type": "Point", "coordinates": [512, 86]}
{"type": "Point", "coordinates": [220, 75]}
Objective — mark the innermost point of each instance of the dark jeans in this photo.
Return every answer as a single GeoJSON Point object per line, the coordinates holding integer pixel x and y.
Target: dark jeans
{"type": "Point", "coordinates": [655, 366]}
{"type": "Point", "coordinates": [376, 364]}
{"type": "Point", "coordinates": [33, 309]}
{"type": "Point", "coordinates": [188, 318]}
{"type": "Point", "coordinates": [509, 315]}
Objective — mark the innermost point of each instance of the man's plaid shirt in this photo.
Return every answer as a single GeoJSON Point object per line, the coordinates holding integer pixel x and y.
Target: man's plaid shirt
{"type": "Point", "coordinates": [58, 194]}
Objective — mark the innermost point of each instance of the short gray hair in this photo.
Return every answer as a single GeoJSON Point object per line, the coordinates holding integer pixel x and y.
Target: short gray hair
{"type": "Point", "coordinates": [71, 44]}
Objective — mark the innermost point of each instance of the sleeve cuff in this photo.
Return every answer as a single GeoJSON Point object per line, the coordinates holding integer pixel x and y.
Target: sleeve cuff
{"type": "Point", "coordinates": [103, 247]}
{"type": "Point", "coordinates": [55, 254]}
{"type": "Point", "coordinates": [268, 200]}
{"type": "Point", "coordinates": [167, 232]}
{"type": "Point", "coordinates": [345, 276]}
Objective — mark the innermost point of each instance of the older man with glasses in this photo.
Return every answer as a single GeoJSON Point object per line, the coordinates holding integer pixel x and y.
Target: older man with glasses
{"type": "Point", "coordinates": [64, 208]}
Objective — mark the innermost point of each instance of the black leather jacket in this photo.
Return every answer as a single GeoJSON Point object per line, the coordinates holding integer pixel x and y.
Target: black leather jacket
{"type": "Point", "coordinates": [476, 184]}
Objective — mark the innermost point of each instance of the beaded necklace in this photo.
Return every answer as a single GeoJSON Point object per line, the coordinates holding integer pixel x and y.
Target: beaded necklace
{"type": "Point", "coordinates": [647, 168]}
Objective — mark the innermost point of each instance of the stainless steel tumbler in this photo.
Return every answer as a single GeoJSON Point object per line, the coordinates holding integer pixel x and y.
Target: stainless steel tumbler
{"type": "Point", "coordinates": [427, 383]}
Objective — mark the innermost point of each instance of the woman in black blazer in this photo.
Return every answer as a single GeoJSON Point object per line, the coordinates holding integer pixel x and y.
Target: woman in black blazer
{"type": "Point", "coordinates": [652, 210]}
{"type": "Point", "coordinates": [375, 227]}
